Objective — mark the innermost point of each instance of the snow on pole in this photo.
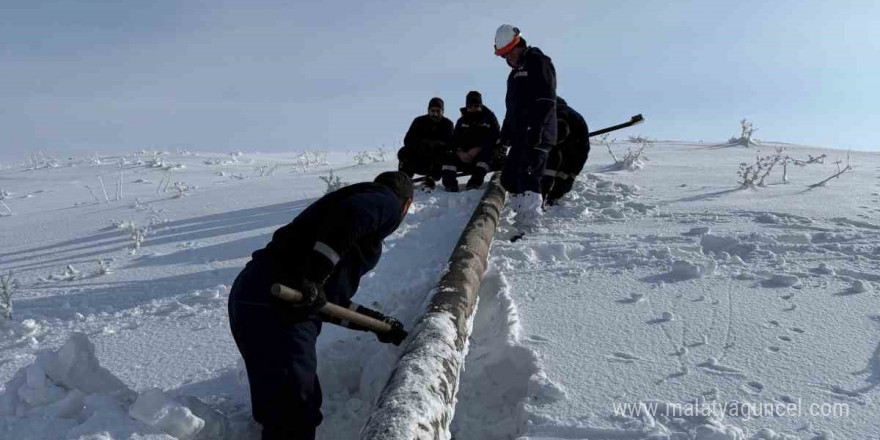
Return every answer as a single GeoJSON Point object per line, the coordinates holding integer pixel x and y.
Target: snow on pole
{"type": "Point", "coordinates": [418, 401]}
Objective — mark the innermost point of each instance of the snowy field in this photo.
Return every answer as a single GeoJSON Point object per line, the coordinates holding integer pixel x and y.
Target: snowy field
{"type": "Point", "coordinates": [667, 290]}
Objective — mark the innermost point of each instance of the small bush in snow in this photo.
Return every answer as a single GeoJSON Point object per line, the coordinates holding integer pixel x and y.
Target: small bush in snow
{"type": "Point", "coordinates": [181, 189]}
{"type": "Point", "coordinates": [266, 170]}
{"type": "Point", "coordinates": [634, 159]}
{"type": "Point", "coordinates": [137, 234]}
{"type": "Point", "coordinates": [603, 140]}
{"type": "Point", "coordinates": [8, 288]}
{"type": "Point", "coordinates": [365, 157]}
{"type": "Point", "coordinates": [103, 267]}
{"type": "Point", "coordinates": [753, 175]}
{"type": "Point", "coordinates": [40, 161]}
{"type": "Point", "coordinates": [333, 182]}
{"type": "Point", "coordinates": [745, 136]}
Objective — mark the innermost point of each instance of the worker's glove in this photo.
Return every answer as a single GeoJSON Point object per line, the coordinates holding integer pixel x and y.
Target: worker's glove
{"type": "Point", "coordinates": [397, 333]}
{"type": "Point", "coordinates": [313, 296]}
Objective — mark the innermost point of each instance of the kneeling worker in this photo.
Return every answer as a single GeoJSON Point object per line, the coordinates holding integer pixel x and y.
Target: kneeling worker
{"type": "Point", "coordinates": [474, 141]}
{"type": "Point", "coordinates": [427, 141]}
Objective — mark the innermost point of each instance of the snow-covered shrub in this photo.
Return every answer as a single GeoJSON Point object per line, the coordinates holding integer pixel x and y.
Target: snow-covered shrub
{"type": "Point", "coordinates": [40, 161]}
{"type": "Point", "coordinates": [158, 160]}
{"type": "Point", "coordinates": [365, 157]}
{"type": "Point", "coordinates": [137, 233]}
{"type": "Point", "coordinates": [266, 170]}
{"type": "Point", "coordinates": [333, 182]}
{"type": "Point", "coordinates": [753, 175]}
{"type": "Point", "coordinates": [103, 267]}
{"type": "Point", "coordinates": [362, 158]}
{"type": "Point", "coordinates": [8, 288]}
{"type": "Point", "coordinates": [69, 273]}
{"type": "Point", "coordinates": [603, 140]}
{"type": "Point", "coordinates": [182, 189]}
{"type": "Point", "coordinates": [745, 136]}
{"type": "Point", "coordinates": [634, 159]}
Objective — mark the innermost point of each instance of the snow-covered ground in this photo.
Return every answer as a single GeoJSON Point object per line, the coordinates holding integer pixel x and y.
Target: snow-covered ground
{"type": "Point", "coordinates": [668, 285]}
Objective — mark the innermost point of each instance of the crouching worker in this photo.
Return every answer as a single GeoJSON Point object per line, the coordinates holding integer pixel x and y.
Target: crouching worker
{"type": "Point", "coordinates": [567, 158]}
{"type": "Point", "coordinates": [427, 141]}
{"type": "Point", "coordinates": [323, 253]}
{"type": "Point", "coordinates": [474, 141]}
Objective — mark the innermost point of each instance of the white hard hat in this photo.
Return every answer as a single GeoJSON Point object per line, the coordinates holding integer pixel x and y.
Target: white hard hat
{"type": "Point", "coordinates": [506, 38]}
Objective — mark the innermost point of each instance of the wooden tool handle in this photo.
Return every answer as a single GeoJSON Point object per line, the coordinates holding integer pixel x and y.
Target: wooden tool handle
{"type": "Point", "coordinates": [292, 295]}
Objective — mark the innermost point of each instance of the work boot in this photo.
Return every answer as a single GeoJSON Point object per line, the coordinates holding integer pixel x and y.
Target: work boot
{"type": "Point", "coordinates": [430, 184]}
{"type": "Point", "coordinates": [476, 180]}
{"type": "Point", "coordinates": [450, 182]}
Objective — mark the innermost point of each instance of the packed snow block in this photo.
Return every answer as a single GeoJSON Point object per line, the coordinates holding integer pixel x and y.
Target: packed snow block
{"type": "Point", "coordinates": [418, 401]}
{"type": "Point", "coordinates": [76, 367]}
{"type": "Point", "coordinates": [156, 409]}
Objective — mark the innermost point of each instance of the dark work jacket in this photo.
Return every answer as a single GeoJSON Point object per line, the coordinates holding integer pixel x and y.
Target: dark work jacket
{"type": "Point", "coordinates": [348, 225]}
{"type": "Point", "coordinates": [577, 133]}
{"type": "Point", "coordinates": [423, 128]}
{"type": "Point", "coordinates": [476, 129]}
{"type": "Point", "coordinates": [531, 102]}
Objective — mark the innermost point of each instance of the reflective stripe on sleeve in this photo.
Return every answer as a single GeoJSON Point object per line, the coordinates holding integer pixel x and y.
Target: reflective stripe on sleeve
{"type": "Point", "coordinates": [327, 251]}
{"type": "Point", "coordinates": [483, 165]}
{"type": "Point", "coordinates": [449, 168]}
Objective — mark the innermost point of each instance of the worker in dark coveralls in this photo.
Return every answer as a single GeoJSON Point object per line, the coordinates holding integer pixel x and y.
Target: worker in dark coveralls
{"type": "Point", "coordinates": [529, 126]}
{"type": "Point", "coordinates": [567, 158]}
{"type": "Point", "coordinates": [323, 253]}
{"type": "Point", "coordinates": [474, 143]}
{"type": "Point", "coordinates": [427, 141]}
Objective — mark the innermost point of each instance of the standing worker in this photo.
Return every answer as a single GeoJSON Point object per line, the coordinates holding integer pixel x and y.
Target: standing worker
{"type": "Point", "coordinates": [530, 122]}
{"type": "Point", "coordinates": [323, 253]}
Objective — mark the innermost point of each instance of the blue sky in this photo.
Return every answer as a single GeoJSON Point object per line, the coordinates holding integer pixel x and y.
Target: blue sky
{"type": "Point", "coordinates": [282, 75]}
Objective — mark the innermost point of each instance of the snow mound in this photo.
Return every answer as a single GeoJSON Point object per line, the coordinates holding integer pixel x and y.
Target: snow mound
{"type": "Point", "coordinates": [733, 246]}
{"type": "Point", "coordinates": [155, 409]}
{"type": "Point", "coordinates": [782, 281]}
{"type": "Point", "coordinates": [68, 394]}
{"type": "Point", "coordinates": [861, 286]}
{"type": "Point", "coordinates": [687, 270]}
{"type": "Point", "coordinates": [698, 231]}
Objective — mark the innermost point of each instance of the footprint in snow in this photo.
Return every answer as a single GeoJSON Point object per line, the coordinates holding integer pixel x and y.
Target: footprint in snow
{"type": "Point", "coordinates": [773, 348]}
{"type": "Point", "coordinates": [784, 338]}
{"type": "Point", "coordinates": [753, 387]}
{"type": "Point", "coordinates": [632, 298]}
{"type": "Point", "coordinates": [622, 358]}
{"type": "Point", "coordinates": [712, 366]}
{"type": "Point", "coordinates": [798, 330]}
{"type": "Point", "coordinates": [538, 339]}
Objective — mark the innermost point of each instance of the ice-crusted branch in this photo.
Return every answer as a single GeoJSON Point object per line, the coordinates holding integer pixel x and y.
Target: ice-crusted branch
{"type": "Point", "coordinates": [8, 287]}
{"type": "Point", "coordinates": [3, 195]}
{"type": "Point", "coordinates": [755, 174]}
{"type": "Point", "coordinates": [604, 141]}
{"type": "Point", "coordinates": [840, 171]}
